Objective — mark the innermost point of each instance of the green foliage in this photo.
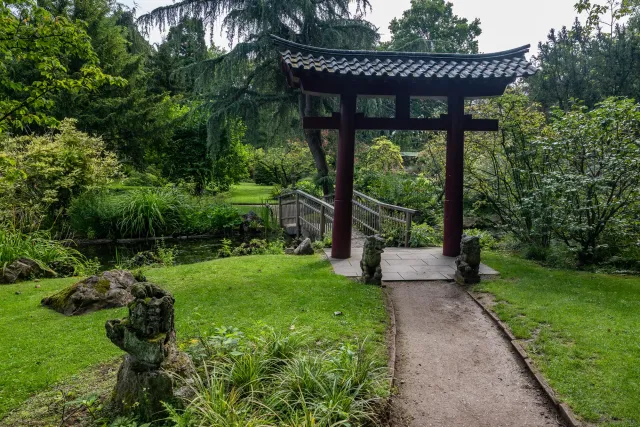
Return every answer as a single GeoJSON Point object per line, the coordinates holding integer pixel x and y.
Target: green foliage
{"type": "Point", "coordinates": [383, 157]}
{"type": "Point", "coordinates": [590, 61]}
{"type": "Point", "coordinates": [402, 189]}
{"type": "Point", "coordinates": [259, 247]}
{"type": "Point", "coordinates": [487, 241]}
{"type": "Point", "coordinates": [39, 55]}
{"type": "Point", "coordinates": [40, 247]}
{"type": "Point", "coordinates": [308, 186]}
{"type": "Point", "coordinates": [284, 165]}
{"type": "Point", "coordinates": [54, 168]}
{"type": "Point", "coordinates": [147, 212]}
{"type": "Point", "coordinates": [231, 164]}
{"type": "Point", "coordinates": [431, 26]}
{"type": "Point", "coordinates": [424, 235]}
{"type": "Point", "coordinates": [595, 175]}
{"type": "Point", "coordinates": [274, 378]}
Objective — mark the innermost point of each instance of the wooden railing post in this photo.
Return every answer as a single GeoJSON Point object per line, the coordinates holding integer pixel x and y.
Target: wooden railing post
{"type": "Point", "coordinates": [407, 237]}
{"type": "Point", "coordinates": [322, 221]}
{"type": "Point", "coordinates": [298, 227]}
{"type": "Point", "coordinates": [280, 210]}
{"type": "Point", "coordinates": [380, 219]}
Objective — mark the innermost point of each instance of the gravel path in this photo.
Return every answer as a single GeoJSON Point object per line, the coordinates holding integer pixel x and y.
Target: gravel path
{"type": "Point", "coordinates": [454, 367]}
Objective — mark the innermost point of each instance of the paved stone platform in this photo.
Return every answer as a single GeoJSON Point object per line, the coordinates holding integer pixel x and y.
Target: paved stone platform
{"type": "Point", "coordinates": [406, 264]}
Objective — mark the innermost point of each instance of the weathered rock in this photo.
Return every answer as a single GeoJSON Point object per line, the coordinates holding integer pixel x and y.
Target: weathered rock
{"type": "Point", "coordinates": [147, 374]}
{"type": "Point", "coordinates": [468, 262]}
{"type": "Point", "coordinates": [107, 290]}
{"type": "Point", "coordinates": [251, 222]}
{"type": "Point", "coordinates": [371, 259]}
{"type": "Point", "coordinates": [304, 248]}
{"type": "Point", "coordinates": [23, 269]}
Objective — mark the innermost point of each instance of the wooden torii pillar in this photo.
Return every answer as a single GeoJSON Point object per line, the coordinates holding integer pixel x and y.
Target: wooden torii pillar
{"type": "Point", "coordinates": [402, 75]}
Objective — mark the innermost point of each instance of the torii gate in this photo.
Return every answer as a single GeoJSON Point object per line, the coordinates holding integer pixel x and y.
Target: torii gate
{"type": "Point", "coordinates": [351, 73]}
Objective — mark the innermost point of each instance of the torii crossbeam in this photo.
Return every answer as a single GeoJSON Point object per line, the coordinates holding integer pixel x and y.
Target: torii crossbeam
{"type": "Point", "coordinates": [349, 74]}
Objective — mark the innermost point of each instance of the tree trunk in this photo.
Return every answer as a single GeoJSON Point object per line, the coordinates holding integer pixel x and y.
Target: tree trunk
{"type": "Point", "coordinates": [310, 106]}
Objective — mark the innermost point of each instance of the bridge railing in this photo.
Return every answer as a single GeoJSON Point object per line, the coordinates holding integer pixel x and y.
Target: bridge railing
{"type": "Point", "coordinates": [370, 216]}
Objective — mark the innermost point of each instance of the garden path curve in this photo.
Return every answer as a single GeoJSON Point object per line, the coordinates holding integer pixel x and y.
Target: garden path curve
{"type": "Point", "coordinates": [454, 367]}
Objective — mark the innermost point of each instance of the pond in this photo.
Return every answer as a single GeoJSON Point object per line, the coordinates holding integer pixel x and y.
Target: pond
{"type": "Point", "coordinates": [186, 251]}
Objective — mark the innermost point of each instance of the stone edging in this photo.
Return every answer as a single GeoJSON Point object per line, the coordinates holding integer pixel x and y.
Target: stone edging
{"type": "Point", "coordinates": [563, 409]}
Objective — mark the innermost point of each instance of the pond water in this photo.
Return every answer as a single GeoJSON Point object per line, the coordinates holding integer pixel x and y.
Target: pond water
{"type": "Point", "coordinates": [186, 251]}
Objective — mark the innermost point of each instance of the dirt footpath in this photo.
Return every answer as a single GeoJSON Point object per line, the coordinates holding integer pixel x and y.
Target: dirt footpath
{"type": "Point", "coordinates": [454, 367]}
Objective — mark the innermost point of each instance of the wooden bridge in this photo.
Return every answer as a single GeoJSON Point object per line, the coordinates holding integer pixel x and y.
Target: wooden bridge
{"type": "Point", "coordinates": [301, 213]}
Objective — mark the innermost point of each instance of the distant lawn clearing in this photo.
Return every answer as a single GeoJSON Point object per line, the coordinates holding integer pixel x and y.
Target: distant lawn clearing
{"type": "Point", "coordinates": [41, 347]}
{"type": "Point", "coordinates": [248, 193]}
{"type": "Point", "coordinates": [584, 331]}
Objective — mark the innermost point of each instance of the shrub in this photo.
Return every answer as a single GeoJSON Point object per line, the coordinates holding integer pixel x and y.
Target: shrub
{"type": "Point", "coordinates": [274, 379]}
{"type": "Point", "coordinates": [424, 235]}
{"type": "Point", "coordinates": [56, 167]}
{"type": "Point", "coordinates": [259, 247]}
{"type": "Point", "coordinates": [487, 241]}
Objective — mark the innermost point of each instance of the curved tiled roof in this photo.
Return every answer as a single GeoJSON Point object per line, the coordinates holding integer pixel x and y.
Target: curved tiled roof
{"type": "Point", "coordinates": [509, 64]}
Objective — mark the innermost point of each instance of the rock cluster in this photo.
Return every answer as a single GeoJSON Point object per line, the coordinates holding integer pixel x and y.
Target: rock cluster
{"type": "Point", "coordinates": [107, 290]}
{"type": "Point", "coordinates": [147, 374]}
{"type": "Point", "coordinates": [371, 259]}
{"type": "Point", "coordinates": [304, 248]}
{"type": "Point", "coordinates": [24, 269]}
{"type": "Point", "coordinates": [468, 262]}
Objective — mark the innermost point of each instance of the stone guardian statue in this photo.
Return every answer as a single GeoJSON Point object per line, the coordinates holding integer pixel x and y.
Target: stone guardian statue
{"type": "Point", "coordinates": [468, 262]}
{"type": "Point", "coordinates": [371, 259]}
{"type": "Point", "coordinates": [147, 374]}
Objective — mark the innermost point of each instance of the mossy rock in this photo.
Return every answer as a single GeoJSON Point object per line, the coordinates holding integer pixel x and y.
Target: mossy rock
{"type": "Point", "coordinates": [108, 290]}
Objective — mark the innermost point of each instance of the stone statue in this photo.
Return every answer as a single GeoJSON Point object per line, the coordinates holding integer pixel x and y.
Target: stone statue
{"type": "Point", "coordinates": [371, 258]}
{"type": "Point", "coordinates": [468, 262]}
{"type": "Point", "coordinates": [146, 377]}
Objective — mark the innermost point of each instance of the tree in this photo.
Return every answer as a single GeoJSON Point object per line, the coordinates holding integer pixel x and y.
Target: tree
{"type": "Point", "coordinates": [590, 61]}
{"type": "Point", "coordinates": [247, 82]}
{"type": "Point", "coordinates": [382, 156]}
{"type": "Point", "coordinates": [595, 157]}
{"type": "Point", "coordinates": [431, 26]}
{"type": "Point", "coordinates": [42, 55]}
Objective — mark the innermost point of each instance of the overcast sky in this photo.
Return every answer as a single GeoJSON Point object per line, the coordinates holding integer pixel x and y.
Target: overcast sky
{"type": "Point", "coordinates": [505, 23]}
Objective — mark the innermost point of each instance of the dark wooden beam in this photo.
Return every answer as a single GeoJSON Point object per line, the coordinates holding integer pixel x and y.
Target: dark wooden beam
{"type": "Point", "coordinates": [385, 123]}
{"type": "Point", "coordinates": [403, 106]}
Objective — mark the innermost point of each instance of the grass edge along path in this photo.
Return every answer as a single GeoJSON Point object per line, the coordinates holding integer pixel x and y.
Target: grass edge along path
{"type": "Point", "coordinates": [40, 347]}
{"type": "Point", "coordinates": [581, 329]}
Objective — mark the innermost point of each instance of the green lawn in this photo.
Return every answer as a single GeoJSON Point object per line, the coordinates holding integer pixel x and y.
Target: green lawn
{"type": "Point", "coordinates": [247, 193]}
{"type": "Point", "coordinates": [583, 331]}
{"type": "Point", "coordinates": [39, 347]}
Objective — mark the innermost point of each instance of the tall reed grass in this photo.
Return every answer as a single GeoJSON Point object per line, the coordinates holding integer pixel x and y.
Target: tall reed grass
{"type": "Point", "coordinates": [147, 212]}
{"type": "Point", "coordinates": [39, 246]}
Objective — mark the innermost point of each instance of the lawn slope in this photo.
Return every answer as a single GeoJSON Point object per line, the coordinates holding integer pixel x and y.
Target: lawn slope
{"type": "Point", "coordinates": [39, 347]}
{"type": "Point", "coordinates": [582, 331]}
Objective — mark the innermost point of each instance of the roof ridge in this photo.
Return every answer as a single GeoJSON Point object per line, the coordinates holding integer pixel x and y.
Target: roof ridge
{"type": "Point", "coordinates": [519, 51]}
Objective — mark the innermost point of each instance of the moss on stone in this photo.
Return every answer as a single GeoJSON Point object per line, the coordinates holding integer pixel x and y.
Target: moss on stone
{"type": "Point", "coordinates": [59, 300]}
{"type": "Point", "coordinates": [103, 285]}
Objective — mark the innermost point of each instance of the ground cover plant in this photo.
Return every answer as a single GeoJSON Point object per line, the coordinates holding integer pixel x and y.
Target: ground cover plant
{"type": "Point", "coordinates": [580, 328]}
{"type": "Point", "coordinates": [275, 379]}
{"type": "Point", "coordinates": [249, 193]}
{"type": "Point", "coordinates": [42, 347]}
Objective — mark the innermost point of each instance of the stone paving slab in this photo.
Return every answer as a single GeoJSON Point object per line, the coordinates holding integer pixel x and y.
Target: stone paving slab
{"type": "Point", "coordinates": [406, 264]}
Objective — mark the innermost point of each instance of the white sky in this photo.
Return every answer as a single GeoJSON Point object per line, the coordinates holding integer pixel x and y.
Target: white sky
{"type": "Point", "coordinates": [505, 23]}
